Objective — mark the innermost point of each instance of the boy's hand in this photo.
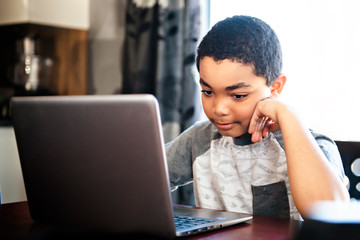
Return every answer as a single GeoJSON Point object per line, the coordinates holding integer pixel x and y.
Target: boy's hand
{"type": "Point", "coordinates": [265, 118]}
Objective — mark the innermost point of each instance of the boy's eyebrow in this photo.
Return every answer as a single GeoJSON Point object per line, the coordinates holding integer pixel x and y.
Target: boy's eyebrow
{"type": "Point", "coordinates": [204, 83]}
{"type": "Point", "coordinates": [229, 88]}
{"type": "Point", "coordinates": [237, 86]}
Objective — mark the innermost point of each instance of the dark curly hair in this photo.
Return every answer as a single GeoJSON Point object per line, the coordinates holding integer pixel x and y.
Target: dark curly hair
{"type": "Point", "coordinates": [247, 40]}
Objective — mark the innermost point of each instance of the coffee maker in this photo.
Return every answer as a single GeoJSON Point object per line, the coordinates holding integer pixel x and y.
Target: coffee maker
{"type": "Point", "coordinates": [31, 72]}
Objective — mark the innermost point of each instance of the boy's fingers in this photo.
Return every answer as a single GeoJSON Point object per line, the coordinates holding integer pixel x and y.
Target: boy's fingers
{"type": "Point", "coordinates": [253, 123]}
{"type": "Point", "coordinates": [266, 131]}
{"type": "Point", "coordinates": [267, 127]}
{"type": "Point", "coordinates": [257, 128]}
{"type": "Point", "coordinates": [273, 126]}
{"type": "Point", "coordinates": [256, 137]}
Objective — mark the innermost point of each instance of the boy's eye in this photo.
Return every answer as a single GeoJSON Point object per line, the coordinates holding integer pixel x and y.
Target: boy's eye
{"type": "Point", "coordinates": [207, 92]}
{"type": "Point", "coordinates": [239, 96]}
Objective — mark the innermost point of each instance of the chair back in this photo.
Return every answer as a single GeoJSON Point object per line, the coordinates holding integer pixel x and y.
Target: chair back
{"type": "Point", "coordinates": [350, 154]}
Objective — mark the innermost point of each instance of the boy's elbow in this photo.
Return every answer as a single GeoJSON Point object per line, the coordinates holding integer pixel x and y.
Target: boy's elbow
{"type": "Point", "coordinates": [339, 197]}
{"type": "Point", "coordinates": [345, 196]}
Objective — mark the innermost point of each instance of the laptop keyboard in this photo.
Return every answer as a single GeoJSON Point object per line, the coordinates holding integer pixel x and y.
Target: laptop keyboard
{"type": "Point", "coordinates": [183, 222]}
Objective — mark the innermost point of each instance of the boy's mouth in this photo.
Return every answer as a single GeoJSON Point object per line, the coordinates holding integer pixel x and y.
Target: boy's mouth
{"type": "Point", "coordinates": [223, 126]}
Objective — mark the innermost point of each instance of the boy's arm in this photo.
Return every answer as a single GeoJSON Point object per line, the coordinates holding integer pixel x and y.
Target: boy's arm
{"type": "Point", "coordinates": [178, 154]}
{"type": "Point", "coordinates": [311, 176]}
{"type": "Point", "coordinates": [182, 152]}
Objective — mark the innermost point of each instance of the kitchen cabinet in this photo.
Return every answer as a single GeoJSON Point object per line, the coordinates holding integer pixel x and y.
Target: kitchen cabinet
{"type": "Point", "coordinates": [65, 13]}
{"type": "Point", "coordinates": [60, 32]}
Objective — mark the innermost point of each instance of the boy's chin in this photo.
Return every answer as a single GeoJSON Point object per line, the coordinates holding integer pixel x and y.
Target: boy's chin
{"type": "Point", "coordinates": [235, 134]}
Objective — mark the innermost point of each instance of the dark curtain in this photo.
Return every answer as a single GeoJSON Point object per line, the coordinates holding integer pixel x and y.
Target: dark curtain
{"type": "Point", "coordinates": [159, 58]}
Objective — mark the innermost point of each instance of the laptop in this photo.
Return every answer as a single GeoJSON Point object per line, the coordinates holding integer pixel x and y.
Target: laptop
{"type": "Point", "coordinates": [98, 162]}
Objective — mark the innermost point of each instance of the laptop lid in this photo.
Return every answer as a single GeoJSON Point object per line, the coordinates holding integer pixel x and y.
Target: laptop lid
{"type": "Point", "coordinates": [98, 162]}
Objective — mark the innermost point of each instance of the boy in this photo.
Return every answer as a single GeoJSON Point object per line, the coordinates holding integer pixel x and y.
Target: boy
{"type": "Point", "coordinates": [253, 154]}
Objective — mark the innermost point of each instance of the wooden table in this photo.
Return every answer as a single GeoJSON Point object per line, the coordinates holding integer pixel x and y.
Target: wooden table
{"type": "Point", "coordinates": [16, 223]}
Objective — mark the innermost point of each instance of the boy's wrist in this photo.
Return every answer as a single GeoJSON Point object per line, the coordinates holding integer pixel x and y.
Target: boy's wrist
{"type": "Point", "coordinates": [283, 112]}
{"type": "Point", "coordinates": [288, 118]}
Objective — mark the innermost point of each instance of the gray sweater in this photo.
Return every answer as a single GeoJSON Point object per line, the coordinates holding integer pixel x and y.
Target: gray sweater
{"type": "Point", "coordinates": [235, 174]}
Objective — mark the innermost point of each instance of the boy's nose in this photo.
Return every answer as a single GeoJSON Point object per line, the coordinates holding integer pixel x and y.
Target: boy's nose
{"type": "Point", "coordinates": [220, 107]}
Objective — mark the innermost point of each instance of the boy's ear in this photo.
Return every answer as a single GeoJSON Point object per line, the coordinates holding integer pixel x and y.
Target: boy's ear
{"type": "Point", "coordinates": [278, 85]}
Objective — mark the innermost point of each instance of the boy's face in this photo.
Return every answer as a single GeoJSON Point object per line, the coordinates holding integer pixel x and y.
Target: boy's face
{"type": "Point", "coordinates": [230, 92]}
